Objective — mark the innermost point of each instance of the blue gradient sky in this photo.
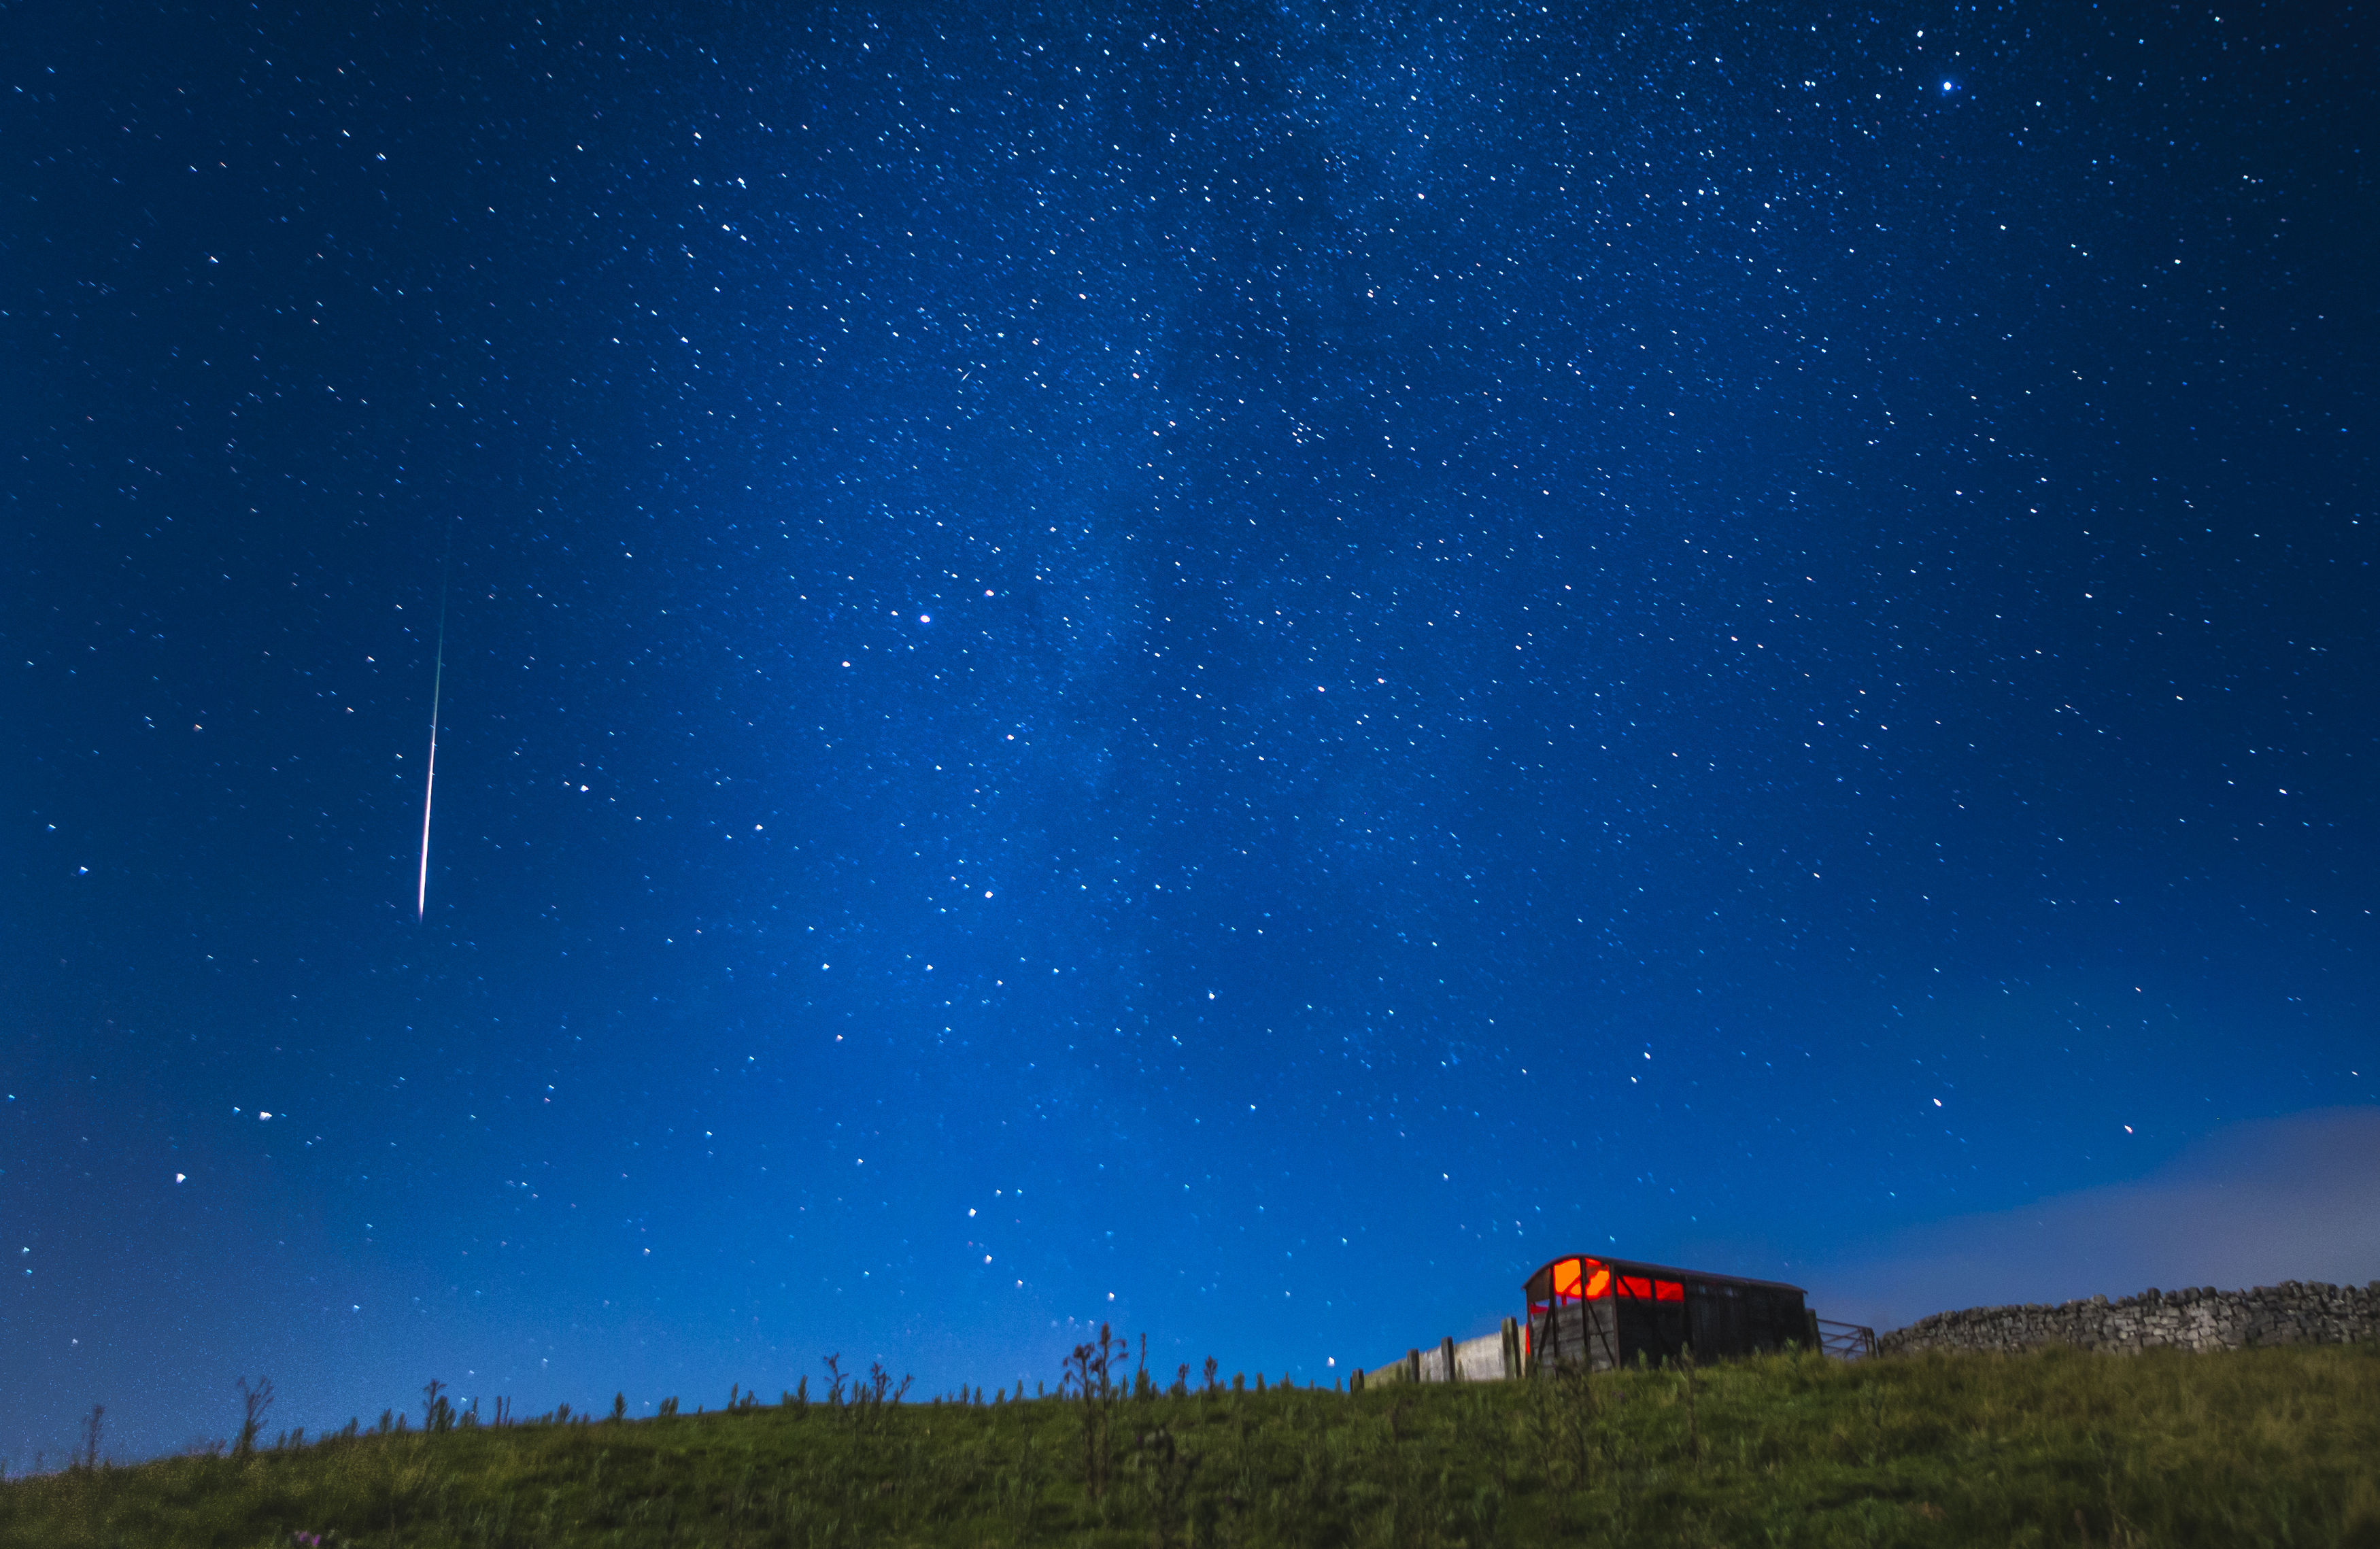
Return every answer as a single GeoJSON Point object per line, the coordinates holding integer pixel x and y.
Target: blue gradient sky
{"type": "Point", "coordinates": [1237, 668]}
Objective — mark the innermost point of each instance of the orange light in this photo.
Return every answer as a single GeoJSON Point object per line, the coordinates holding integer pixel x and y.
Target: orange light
{"type": "Point", "coordinates": [1637, 1286]}
{"type": "Point", "coordinates": [1579, 1279]}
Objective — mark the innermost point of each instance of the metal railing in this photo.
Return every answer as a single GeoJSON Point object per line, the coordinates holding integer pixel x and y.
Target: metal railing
{"type": "Point", "coordinates": [1846, 1341]}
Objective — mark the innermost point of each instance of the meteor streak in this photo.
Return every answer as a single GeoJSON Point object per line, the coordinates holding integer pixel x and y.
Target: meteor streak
{"type": "Point", "coordinates": [437, 683]}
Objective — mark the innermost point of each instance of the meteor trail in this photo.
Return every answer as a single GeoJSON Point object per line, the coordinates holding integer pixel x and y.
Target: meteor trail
{"type": "Point", "coordinates": [437, 683]}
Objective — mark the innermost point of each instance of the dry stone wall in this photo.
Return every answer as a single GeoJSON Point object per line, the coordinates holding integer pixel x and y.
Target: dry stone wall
{"type": "Point", "coordinates": [2202, 1318]}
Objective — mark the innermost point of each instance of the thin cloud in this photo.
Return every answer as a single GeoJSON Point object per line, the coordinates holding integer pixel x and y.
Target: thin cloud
{"type": "Point", "coordinates": [2287, 1199]}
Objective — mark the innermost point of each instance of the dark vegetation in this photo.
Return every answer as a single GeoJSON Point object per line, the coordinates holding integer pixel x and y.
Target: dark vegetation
{"type": "Point", "coordinates": [2259, 1446]}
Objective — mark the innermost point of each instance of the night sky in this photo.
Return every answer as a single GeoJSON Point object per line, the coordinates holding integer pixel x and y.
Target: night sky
{"type": "Point", "coordinates": [1237, 669]}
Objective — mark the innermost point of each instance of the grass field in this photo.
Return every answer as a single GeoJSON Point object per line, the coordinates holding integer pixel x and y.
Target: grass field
{"type": "Point", "coordinates": [2261, 1447]}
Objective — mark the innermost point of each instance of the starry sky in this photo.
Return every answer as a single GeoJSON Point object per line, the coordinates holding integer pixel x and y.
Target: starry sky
{"type": "Point", "coordinates": [1235, 667]}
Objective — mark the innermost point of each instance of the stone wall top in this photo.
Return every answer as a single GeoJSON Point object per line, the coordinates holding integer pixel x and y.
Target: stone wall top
{"type": "Point", "coordinates": [2198, 1317]}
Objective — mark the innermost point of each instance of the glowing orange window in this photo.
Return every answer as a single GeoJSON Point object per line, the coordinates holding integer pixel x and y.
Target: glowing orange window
{"type": "Point", "coordinates": [1637, 1286]}
{"type": "Point", "coordinates": [1580, 1279]}
{"type": "Point", "coordinates": [1668, 1290]}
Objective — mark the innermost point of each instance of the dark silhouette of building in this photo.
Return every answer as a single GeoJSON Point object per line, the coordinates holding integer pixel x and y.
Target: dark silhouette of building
{"type": "Point", "coordinates": [1607, 1313]}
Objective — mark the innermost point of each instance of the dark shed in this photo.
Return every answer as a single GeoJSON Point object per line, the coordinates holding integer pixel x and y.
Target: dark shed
{"type": "Point", "coordinates": [1609, 1311]}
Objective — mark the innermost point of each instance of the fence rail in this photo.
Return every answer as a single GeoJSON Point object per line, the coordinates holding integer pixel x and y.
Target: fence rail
{"type": "Point", "coordinates": [1846, 1341]}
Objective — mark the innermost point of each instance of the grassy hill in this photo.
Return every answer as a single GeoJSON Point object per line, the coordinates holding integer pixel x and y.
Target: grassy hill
{"type": "Point", "coordinates": [2260, 1446]}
